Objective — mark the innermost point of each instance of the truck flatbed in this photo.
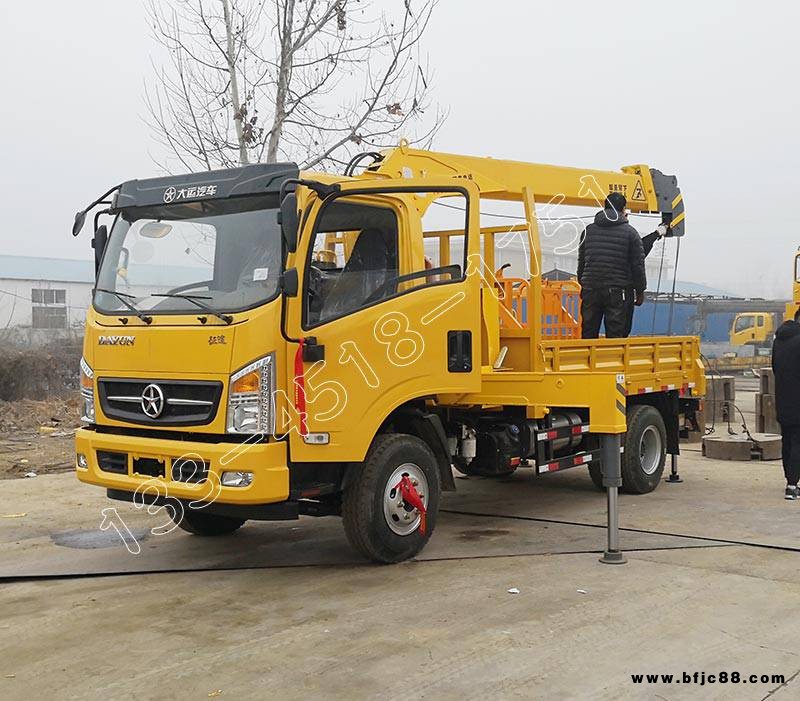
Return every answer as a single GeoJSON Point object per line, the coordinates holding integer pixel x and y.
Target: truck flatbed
{"type": "Point", "coordinates": [650, 364]}
{"type": "Point", "coordinates": [602, 372]}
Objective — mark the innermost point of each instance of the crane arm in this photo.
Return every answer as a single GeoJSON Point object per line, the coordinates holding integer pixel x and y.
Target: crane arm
{"type": "Point", "coordinates": [646, 189]}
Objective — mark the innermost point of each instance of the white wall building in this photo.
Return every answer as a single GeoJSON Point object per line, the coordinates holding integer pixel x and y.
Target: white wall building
{"type": "Point", "coordinates": [43, 298]}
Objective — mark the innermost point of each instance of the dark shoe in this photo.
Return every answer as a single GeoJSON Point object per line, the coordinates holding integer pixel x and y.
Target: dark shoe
{"type": "Point", "coordinates": [791, 493]}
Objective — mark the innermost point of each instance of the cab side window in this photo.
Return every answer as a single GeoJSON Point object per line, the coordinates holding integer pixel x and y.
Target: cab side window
{"type": "Point", "coordinates": [357, 259]}
{"type": "Point", "coordinates": [353, 261]}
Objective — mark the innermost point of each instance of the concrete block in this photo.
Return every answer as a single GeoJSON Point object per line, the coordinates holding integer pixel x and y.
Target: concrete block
{"type": "Point", "coordinates": [725, 447]}
{"type": "Point", "coordinates": [767, 420]}
{"type": "Point", "coordinates": [767, 381]}
{"type": "Point", "coordinates": [719, 387]}
{"type": "Point", "coordinates": [717, 412]}
{"type": "Point", "coordinates": [720, 392]}
{"type": "Point", "coordinates": [767, 445]}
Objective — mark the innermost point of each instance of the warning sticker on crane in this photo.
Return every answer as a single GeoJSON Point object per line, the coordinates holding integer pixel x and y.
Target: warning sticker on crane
{"type": "Point", "coordinates": [638, 192]}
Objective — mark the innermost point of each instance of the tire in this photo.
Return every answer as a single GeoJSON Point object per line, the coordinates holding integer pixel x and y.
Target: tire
{"type": "Point", "coordinates": [645, 450]}
{"type": "Point", "coordinates": [369, 501]}
{"type": "Point", "coordinates": [197, 523]}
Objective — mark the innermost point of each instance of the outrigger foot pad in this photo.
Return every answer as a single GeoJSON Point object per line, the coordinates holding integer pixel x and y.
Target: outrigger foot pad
{"type": "Point", "coordinates": [613, 557]}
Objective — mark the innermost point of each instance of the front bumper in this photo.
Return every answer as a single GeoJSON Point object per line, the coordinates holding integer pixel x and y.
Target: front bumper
{"type": "Point", "coordinates": [267, 462]}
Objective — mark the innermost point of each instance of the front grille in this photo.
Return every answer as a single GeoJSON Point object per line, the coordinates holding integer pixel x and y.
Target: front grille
{"type": "Point", "coordinates": [112, 462]}
{"type": "Point", "coordinates": [194, 470]}
{"type": "Point", "coordinates": [185, 402]}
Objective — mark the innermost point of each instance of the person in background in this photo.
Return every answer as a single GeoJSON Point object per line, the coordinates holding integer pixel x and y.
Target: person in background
{"type": "Point", "coordinates": [610, 270]}
{"type": "Point", "coordinates": [786, 366]}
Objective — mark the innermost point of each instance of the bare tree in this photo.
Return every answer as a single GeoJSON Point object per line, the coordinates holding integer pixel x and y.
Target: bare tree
{"type": "Point", "coordinates": [306, 80]}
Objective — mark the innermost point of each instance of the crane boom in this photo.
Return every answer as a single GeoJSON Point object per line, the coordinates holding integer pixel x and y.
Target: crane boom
{"type": "Point", "coordinates": [646, 189]}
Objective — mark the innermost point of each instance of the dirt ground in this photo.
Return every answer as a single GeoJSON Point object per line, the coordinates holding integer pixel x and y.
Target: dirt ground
{"type": "Point", "coordinates": [36, 437]}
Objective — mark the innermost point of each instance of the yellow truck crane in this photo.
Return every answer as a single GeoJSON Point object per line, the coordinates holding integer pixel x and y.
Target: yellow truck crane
{"type": "Point", "coordinates": [265, 343]}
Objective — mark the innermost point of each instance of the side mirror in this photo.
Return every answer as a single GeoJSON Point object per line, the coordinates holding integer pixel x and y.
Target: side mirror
{"type": "Point", "coordinates": [80, 218]}
{"type": "Point", "coordinates": [99, 244]}
{"type": "Point", "coordinates": [289, 221]}
{"type": "Point", "coordinates": [289, 282]}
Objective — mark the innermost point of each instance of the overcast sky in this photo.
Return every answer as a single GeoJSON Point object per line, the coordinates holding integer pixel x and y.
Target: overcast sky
{"type": "Point", "coordinates": [705, 90]}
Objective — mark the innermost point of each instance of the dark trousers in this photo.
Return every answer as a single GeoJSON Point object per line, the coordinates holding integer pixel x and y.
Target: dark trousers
{"type": "Point", "coordinates": [790, 448]}
{"type": "Point", "coordinates": [606, 304]}
{"type": "Point", "coordinates": [630, 305]}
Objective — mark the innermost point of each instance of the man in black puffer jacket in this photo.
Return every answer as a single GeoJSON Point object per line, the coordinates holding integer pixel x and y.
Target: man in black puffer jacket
{"type": "Point", "coordinates": [610, 268]}
{"type": "Point", "coordinates": [786, 366]}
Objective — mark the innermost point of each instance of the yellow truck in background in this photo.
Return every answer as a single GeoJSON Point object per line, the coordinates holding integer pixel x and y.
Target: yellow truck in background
{"type": "Point", "coordinates": [794, 305]}
{"type": "Point", "coordinates": [755, 329]}
{"type": "Point", "coordinates": [749, 330]}
{"type": "Point", "coordinates": [265, 343]}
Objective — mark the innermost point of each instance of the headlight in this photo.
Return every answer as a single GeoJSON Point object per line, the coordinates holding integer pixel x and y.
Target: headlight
{"type": "Point", "coordinates": [87, 393]}
{"type": "Point", "coordinates": [250, 397]}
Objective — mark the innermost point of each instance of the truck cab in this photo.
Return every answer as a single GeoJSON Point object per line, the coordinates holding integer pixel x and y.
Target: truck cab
{"type": "Point", "coordinates": [752, 329]}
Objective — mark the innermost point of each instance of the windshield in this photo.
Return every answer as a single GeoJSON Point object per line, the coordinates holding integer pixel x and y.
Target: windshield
{"type": "Point", "coordinates": [225, 254]}
{"type": "Point", "coordinates": [744, 322]}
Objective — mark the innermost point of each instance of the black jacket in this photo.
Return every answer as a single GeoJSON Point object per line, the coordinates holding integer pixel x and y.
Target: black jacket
{"type": "Point", "coordinates": [611, 254]}
{"type": "Point", "coordinates": [648, 242]}
{"type": "Point", "coordinates": [786, 366]}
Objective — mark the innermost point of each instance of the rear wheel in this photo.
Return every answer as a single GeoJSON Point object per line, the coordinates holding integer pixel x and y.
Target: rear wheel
{"type": "Point", "coordinates": [197, 523]}
{"type": "Point", "coordinates": [378, 522]}
{"type": "Point", "coordinates": [645, 450]}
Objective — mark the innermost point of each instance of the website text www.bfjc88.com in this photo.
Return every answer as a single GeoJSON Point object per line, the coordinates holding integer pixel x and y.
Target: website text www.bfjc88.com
{"type": "Point", "coordinates": [702, 678]}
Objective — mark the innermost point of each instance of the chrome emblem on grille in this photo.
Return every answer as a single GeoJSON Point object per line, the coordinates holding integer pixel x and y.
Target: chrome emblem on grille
{"type": "Point", "coordinates": [152, 401]}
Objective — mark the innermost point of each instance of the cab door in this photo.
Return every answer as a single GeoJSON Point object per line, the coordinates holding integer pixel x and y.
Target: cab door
{"type": "Point", "coordinates": [743, 330]}
{"type": "Point", "coordinates": [387, 309]}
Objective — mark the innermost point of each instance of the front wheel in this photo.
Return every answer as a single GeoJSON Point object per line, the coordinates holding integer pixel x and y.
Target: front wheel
{"type": "Point", "coordinates": [379, 522]}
